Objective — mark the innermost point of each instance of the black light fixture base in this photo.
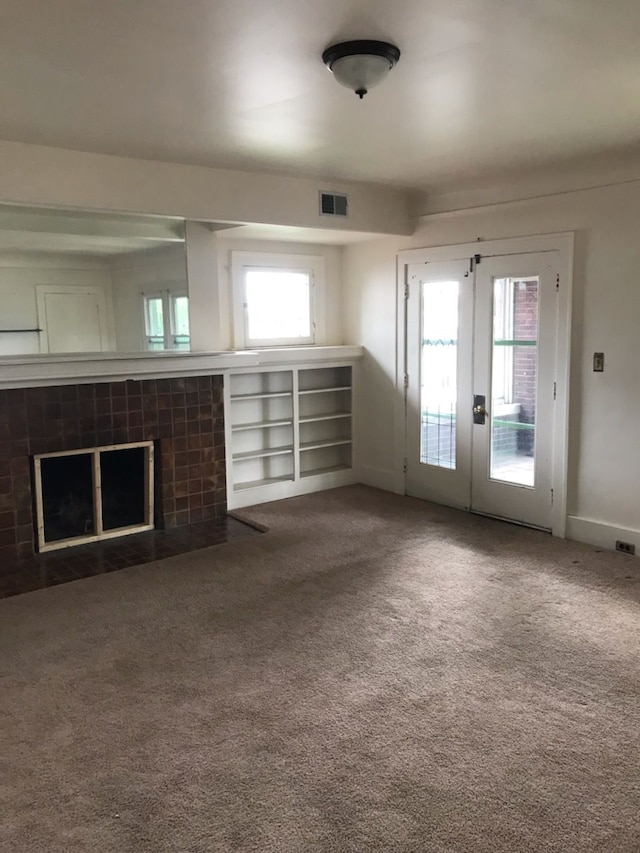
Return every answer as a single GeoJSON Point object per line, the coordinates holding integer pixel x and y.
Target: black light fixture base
{"type": "Point", "coordinates": [362, 46]}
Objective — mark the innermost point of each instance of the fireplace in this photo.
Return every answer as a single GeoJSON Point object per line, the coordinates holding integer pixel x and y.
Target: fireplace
{"type": "Point", "coordinates": [180, 420]}
{"type": "Point", "coordinates": [87, 495]}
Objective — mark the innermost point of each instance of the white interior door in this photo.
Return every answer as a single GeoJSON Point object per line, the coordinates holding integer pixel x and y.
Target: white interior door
{"type": "Point", "coordinates": [72, 319]}
{"type": "Point", "coordinates": [481, 349]}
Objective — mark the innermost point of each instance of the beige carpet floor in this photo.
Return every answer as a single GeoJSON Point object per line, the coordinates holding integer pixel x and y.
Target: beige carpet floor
{"type": "Point", "coordinates": [373, 674]}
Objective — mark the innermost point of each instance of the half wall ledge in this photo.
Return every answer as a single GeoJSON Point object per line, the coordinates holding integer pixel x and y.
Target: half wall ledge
{"type": "Point", "coordinates": [36, 371]}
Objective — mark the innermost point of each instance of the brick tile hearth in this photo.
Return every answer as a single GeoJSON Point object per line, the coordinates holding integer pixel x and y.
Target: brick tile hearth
{"type": "Point", "coordinates": [69, 564]}
{"type": "Point", "coordinates": [183, 416]}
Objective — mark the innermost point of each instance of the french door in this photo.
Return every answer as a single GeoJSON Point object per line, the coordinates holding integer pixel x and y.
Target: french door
{"type": "Point", "coordinates": [480, 364]}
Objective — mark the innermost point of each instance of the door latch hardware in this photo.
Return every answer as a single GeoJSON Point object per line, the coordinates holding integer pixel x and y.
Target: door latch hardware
{"type": "Point", "coordinates": [479, 408]}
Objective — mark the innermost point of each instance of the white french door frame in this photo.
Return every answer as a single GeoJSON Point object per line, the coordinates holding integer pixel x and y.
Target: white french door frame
{"type": "Point", "coordinates": [561, 243]}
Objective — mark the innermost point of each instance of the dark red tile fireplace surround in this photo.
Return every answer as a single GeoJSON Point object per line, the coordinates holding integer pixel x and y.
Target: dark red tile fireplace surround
{"type": "Point", "coordinates": [182, 416]}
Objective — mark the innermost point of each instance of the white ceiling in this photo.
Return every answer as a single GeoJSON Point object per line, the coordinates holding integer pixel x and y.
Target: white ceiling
{"type": "Point", "coordinates": [482, 85]}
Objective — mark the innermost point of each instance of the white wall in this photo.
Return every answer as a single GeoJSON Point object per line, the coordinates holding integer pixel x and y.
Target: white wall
{"type": "Point", "coordinates": [33, 174]}
{"type": "Point", "coordinates": [19, 276]}
{"type": "Point", "coordinates": [604, 464]}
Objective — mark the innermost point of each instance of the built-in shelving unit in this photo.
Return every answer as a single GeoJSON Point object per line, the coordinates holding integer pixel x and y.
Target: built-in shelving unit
{"type": "Point", "coordinates": [260, 412]}
{"type": "Point", "coordinates": [288, 431]}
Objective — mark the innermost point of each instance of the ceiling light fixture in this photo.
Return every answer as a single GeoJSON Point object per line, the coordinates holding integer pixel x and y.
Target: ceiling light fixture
{"type": "Point", "coordinates": [360, 65]}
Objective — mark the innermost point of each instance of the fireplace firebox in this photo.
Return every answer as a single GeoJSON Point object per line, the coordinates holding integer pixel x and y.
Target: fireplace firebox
{"type": "Point", "coordinates": [92, 494]}
{"type": "Point", "coordinates": [182, 417]}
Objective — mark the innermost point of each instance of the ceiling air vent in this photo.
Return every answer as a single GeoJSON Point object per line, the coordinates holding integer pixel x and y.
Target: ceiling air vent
{"type": "Point", "coordinates": [332, 204]}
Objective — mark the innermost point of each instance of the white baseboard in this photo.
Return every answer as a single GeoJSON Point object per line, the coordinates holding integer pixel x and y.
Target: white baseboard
{"type": "Point", "coordinates": [600, 534]}
{"type": "Point", "coordinates": [379, 478]}
{"type": "Point", "coordinates": [288, 489]}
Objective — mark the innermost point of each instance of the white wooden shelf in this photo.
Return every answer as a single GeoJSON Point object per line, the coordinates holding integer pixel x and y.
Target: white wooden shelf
{"type": "Point", "coordinates": [261, 425]}
{"type": "Point", "coordinates": [308, 413]}
{"type": "Point", "coordinates": [325, 390]}
{"type": "Point", "coordinates": [266, 396]}
{"type": "Point", "coordinates": [332, 417]}
{"type": "Point", "coordinates": [331, 469]}
{"type": "Point", "coordinates": [261, 454]}
{"type": "Point", "coordinates": [317, 445]}
{"type": "Point", "coordinates": [267, 481]}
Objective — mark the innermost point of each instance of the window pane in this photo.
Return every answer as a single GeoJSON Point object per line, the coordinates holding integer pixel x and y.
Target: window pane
{"type": "Point", "coordinates": [278, 305]}
{"type": "Point", "coordinates": [155, 322]}
{"type": "Point", "coordinates": [439, 374]}
{"type": "Point", "coordinates": [181, 315]}
{"type": "Point", "coordinates": [514, 380]}
{"type": "Point", "coordinates": [181, 339]}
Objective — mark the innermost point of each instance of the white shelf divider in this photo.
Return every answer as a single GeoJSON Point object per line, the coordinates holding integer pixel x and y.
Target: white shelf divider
{"type": "Point", "coordinates": [265, 396]}
{"type": "Point", "coordinates": [296, 427]}
{"type": "Point", "coordinates": [330, 469]}
{"type": "Point", "coordinates": [329, 442]}
{"type": "Point", "coordinates": [326, 390]}
{"type": "Point", "coordinates": [260, 454]}
{"type": "Point", "coordinates": [268, 481]}
{"type": "Point", "coordinates": [261, 425]}
{"type": "Point", "coordinates": [332, 417]}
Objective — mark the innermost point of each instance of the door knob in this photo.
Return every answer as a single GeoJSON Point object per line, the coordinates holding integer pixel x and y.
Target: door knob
{"type": "Point", "coordinates": [479, 408]}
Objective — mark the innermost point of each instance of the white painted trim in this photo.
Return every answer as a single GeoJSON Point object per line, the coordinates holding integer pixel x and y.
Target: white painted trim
{"type": "Point", "coordinates": [289, 489]}
{"type": "Point", "coordinates": [517, 201]}
{"type": "Point", "coordinates": [44, 370]}
{"type": "Point", "coordinates": [400, 419]}
{"type": "Point", "coordinates": [507, 246]}
{"type": "Point", "coordinates": [313, 264]}
{"type": "Point", "coordinates": [600, 534]}
{"type": "Point", "coordinates": [328, 356]}
{"type": "Point", "coordinates": [563, 244]}
{"type": "Point", "coordinates": [560, 459]}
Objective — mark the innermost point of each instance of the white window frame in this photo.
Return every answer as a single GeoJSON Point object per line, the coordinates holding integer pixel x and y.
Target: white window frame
{"type": "Point", "coordinates": [241, 262]}
{"type": "Point", "coordinates": [168, 297]}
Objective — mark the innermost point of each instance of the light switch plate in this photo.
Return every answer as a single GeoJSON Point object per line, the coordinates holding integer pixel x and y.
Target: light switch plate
{"type": "Point", "coordinates": [598, 362]}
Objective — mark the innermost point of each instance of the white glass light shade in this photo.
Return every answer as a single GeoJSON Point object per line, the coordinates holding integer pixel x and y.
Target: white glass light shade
{"type": "Point", "coordinates": [360, 65]}
{"type": "Point", "coordinates": [361, 72]}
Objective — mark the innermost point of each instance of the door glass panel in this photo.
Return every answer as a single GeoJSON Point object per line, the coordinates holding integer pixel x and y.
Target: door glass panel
{"type": "Point", "coordinates": [439, 373]}
{"type": "Point", "coordinates": [514, 380]}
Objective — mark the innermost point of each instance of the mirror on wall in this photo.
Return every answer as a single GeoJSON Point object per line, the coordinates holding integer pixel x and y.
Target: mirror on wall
{"type": "Point", "coordinates": [73, 281]}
